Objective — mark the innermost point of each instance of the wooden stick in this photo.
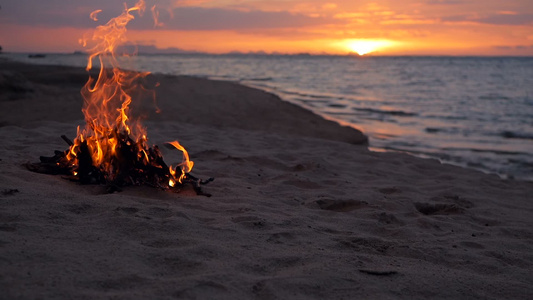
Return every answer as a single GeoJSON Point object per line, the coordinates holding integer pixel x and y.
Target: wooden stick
{"type": "Point", "coordinates": [66, 139]}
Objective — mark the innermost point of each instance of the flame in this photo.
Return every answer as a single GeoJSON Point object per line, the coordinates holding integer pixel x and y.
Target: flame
{"type": "Point", "coordinates": [94, 14]}
{"type": "Point", "coordinates": [185, 165]}
{"type": "Point", "coordinates": [155, 15]}
{"type": "Point", "coordinates": [109, 126]}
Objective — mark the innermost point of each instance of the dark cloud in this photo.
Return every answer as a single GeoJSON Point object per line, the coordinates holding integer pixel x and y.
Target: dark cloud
{"type": "Point", "coordinates": [498, 19]}
{"type": "Point", "coordinates": [57, 13]}
{"type": "Point", "coordinates": [517, 47]}
{"type": "Point", "coordinates": [502, 47]}
{"type": "Point", "coordinates": [518, 19]}
{"type": "Point", "coordinates": [196, 18]}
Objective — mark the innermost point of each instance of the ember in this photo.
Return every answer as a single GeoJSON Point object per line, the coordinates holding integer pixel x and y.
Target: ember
{"type": "Point", "coordinates": [112, 148]}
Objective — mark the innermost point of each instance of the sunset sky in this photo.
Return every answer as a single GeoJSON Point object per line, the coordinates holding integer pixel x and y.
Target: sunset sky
{"type": "Point", "coordinates": [408, 27]}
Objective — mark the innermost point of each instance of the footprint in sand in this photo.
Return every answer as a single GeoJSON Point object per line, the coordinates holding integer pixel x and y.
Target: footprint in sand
{"type": "Point", "coordinates": [80, 209]}
{"type": "Point", "coordinates": [386, 218]}
{"type": "Point", "coordinates": [251, 222]}
{"type": "Point", "coordinates": [338, 205]}
{"type": "Point", "coordinates": [128, 210]}
{"type": "Point", "coordinates": [438, 208]}
{"type": "Point", "coordinates": [389, 191]}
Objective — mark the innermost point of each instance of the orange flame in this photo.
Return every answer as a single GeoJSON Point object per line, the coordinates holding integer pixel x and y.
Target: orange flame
{"type": "Point", "coordinates": [156, 9]}
{"type": "Point", "coordinates": [185, 165]}
{"type": "Point", "coordinates": [155, 15]}
{"type": "Point", "coordinates": [94, 14]}
{"type": "Point", "coordinates": [107, 100]}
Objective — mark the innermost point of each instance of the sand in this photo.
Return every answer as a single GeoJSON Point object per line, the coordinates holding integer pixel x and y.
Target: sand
{"type": "Point", "coordinates": [300, 209]}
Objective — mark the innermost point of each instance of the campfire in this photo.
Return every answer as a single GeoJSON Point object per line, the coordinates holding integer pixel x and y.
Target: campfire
{"type": "Point", "coordinates": [112, 149]}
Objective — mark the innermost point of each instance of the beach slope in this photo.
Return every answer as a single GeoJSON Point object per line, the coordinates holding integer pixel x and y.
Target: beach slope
{"type": "Point", "coordinates": [297, 210]}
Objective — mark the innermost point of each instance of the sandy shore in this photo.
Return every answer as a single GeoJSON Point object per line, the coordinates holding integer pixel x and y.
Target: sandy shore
{"type": "Point", "coordinates": [299, 210]}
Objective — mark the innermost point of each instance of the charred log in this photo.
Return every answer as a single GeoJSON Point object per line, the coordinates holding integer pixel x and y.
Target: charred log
{"type": "Point", "coordinates": [131, 167]}
{"type": "Point", "coordinates": [67, 140]}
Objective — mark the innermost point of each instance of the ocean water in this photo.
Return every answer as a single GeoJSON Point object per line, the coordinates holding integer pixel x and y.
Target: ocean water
{"type": "Point", "coordinates": [475, 112]}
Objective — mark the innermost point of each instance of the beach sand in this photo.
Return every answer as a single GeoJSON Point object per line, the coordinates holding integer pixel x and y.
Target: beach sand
{"type": "Point", "coordinates": [300, 209]}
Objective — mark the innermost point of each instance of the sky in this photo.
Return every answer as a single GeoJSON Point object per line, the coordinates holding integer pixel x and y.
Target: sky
{"type": "Point", "coordinates": [407, 27]}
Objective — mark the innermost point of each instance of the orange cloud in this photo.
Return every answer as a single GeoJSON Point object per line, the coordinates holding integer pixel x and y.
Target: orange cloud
{"type": "Point", "coordinates": [375, 7]}
{"type": "Point", "coordinates": [416, 26]}
{"type": "Point", "coordinates": [181, 3]}
{"type": "Point", "coordinates": [329, 6]}
{"type": "Point", "coordinates": [408, 21]}
{"type": "Point", "coordinates": [351, 15]}
{"type": "Point", "coordinates": [507, 12]}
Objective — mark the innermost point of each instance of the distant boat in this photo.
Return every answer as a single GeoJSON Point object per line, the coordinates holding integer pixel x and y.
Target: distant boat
{"type": "Point", "coordinates": [36, 55]}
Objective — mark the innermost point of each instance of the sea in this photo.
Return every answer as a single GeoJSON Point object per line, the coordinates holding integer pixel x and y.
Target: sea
{"type": "Point", "coordinates": [475, 112]}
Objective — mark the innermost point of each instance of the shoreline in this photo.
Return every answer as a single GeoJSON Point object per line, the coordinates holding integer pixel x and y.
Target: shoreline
{"type": "Point", "coordinates": [418, 154]}
{"type": "Point", "coordinates": [508, 166]}
{"type": "Point", "coordinates": [296, 210]}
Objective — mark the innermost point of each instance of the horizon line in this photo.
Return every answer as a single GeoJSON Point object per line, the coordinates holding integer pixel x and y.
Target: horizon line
{"type": "Point", "coordinates": [261, 53]}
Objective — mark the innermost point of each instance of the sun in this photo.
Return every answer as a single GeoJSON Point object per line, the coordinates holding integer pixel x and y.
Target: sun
{"type": "Point", "coordinates": [363, 47]}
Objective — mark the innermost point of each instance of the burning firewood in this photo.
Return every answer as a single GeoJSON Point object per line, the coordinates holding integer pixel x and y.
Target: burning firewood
{"type": "Point", "coordinates": [133, 171]}
{"type": "Point", "coordinates": [112, 149]}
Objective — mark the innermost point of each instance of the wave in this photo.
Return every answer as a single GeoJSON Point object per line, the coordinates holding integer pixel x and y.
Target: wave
{"type": "Point", "coordinates": [447, 130]}
{"type": "Point", "coordinates": [336, 105]}
{"type": "Point", "coordinates": [258, 79]}
{"type": "Point", "coordinates": [498, 152]}
{"type": "Point", "coordinates": [310, 95]}
{"type": "Point", "coordinates": [447, 117]}
{"type": "Point", "coordinates": [311, 100]}
{"type": "Point", "coordinates": [399, 113]}
{"type": "Point", "coordinates": [493, 96]}
{"type": "Point", "coordinates": [433, 130]}
{"type": "Point", "coordinates": [516, 135]}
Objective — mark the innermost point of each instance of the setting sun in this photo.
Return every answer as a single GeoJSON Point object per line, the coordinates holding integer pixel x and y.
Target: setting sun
{"type": "Point", "coordinates": [363, 47]}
